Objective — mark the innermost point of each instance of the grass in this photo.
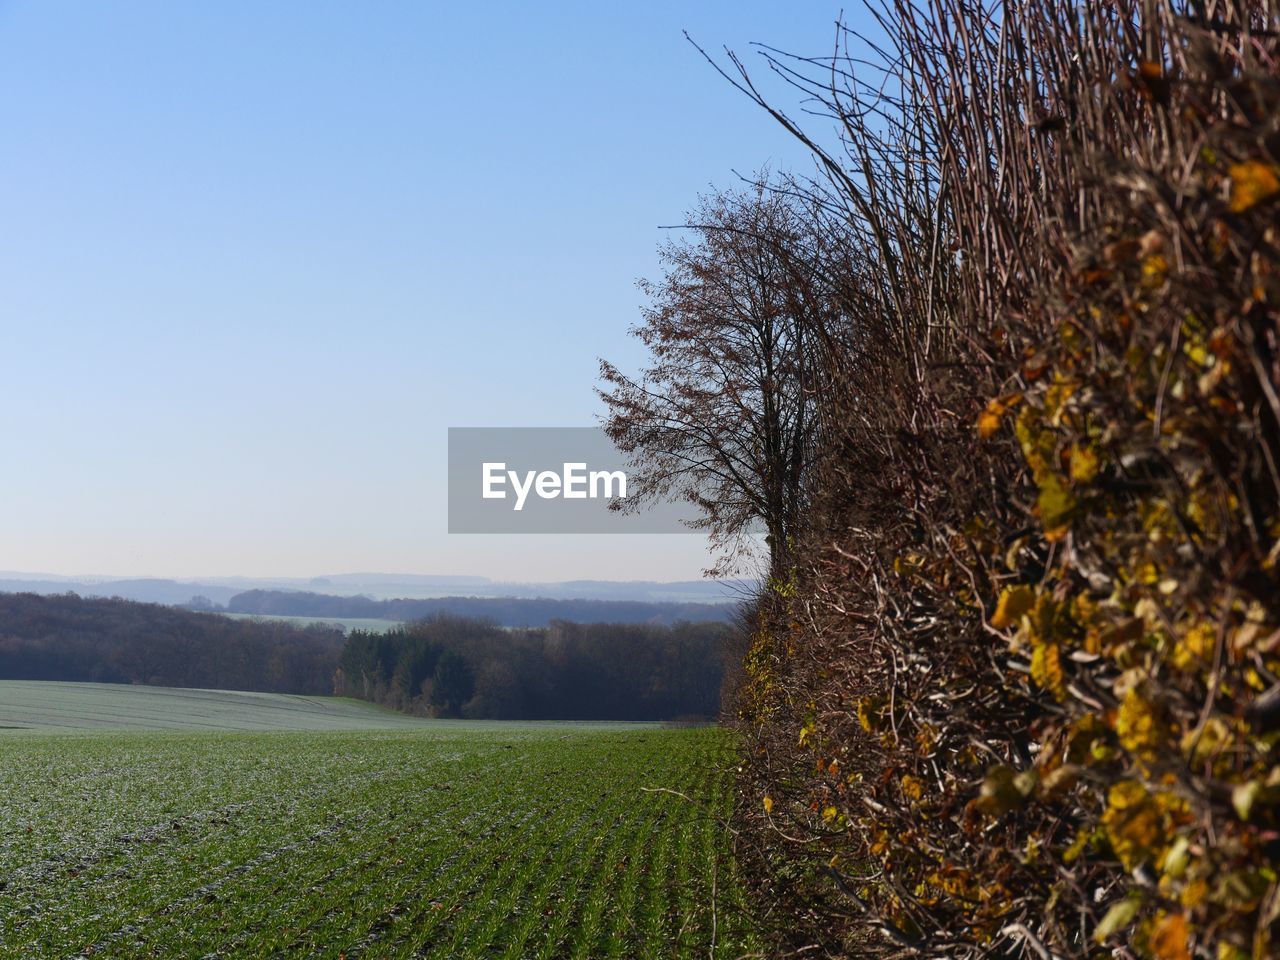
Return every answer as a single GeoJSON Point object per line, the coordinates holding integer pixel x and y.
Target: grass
{"type": "Point", "coordinates": [429, 840]}
{"type": "Point", "coordinates": [41, 705]}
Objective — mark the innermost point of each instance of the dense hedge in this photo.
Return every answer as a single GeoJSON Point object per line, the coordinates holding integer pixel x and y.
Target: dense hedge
{"type": "Point", "coordinates": [1021, 694]}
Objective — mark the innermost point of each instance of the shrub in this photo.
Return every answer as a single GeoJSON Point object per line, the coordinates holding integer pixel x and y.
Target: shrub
{"type": "Point", "coordinates": [1023, 695]}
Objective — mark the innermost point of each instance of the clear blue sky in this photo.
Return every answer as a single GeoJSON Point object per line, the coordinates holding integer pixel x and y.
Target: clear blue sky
{"type": "Point", "coordinates": [256, 258]}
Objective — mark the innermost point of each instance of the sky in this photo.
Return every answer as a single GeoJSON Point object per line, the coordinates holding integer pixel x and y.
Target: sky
{"type": "Point", "coordinates": [256, 259]}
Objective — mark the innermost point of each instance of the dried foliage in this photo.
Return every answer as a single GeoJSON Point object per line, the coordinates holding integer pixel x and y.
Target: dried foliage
{"type": "Point", "coordinates": [724, 417]}
{"type": "Point", "coordinates": [1019, 694]}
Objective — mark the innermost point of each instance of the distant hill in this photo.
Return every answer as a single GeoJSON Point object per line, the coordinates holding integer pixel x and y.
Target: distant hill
{"type": "Point", "coordinates": [504, 611]}
{"type": "Point", "coordinates": [144, 590]}
{"type": "Point", "coordinates": [380, 586]}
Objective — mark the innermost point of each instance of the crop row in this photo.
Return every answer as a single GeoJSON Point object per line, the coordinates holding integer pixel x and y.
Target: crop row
{"type": "Point", "coordinates": [515, 842]}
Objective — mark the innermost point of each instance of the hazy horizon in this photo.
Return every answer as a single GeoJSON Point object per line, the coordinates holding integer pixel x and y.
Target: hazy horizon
{"type": "Point", "coordinates": [214, 591]}
{"type": "Point", "coordinates": [386, 575]}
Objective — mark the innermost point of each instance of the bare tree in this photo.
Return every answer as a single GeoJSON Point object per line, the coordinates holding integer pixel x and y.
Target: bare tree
{"type": "Point", "coordinates": [723, 416]}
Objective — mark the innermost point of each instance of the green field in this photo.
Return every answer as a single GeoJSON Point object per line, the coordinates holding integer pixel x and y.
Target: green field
{"type": "Point", "coordinates": [369, 624]}
{"type": "Point", "coordinates": [431, 840]}
{"type": "Point", "coordinates": [35, 704]}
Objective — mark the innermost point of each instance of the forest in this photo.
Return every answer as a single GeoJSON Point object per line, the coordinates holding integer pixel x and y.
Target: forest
{"type": "Point", "coordinates": [444, 666]}
{"type": "Point", "coordinates": [66, 637]}
{"type": "Point", "coordinates": [455, 667]}
{"type": "Point", "coordinates": [1001, 379]}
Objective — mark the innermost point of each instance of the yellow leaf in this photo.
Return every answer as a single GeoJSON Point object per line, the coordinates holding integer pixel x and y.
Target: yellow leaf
{"type": "Point", "coordinates": [1055, 400]}
{"type": "Point", "coordinates": [988, 423]}
{"type": "Point", "coordinates": [1195, 649]}
{"type": "Point", "coordinates": [913, 787]}
{"type": "Point", "coordinates": [1173, 865]}
{"type": "Point", "coordinates": [867, 715]}
{"type": "Point", "coordinates": [1013, 604]}
{"type": "Point", "coordinates": [1154, 269]}
{"type": "Point", "coordinates": [1252, 182]}
{"type": "Point", "coordinates": [1055, 502]}
{"type": "Point", "coordinates": [1201, 743]}
{"type": "Point", "coordinates": [1139, 725]}
{"type": "Point", "coordinates": [768, 804]}
{"type": "Point", "coordinates": [989, 419]}
{"type": "Point", "coordinates": [1243, 798]}
{"type": "Point", "coordinates": [1084, 464]}
{"type": "Point", "coordinates": [1169, 938]}
{"type": "Point", "coordinates": [1046, 669]}
{"type": "Point", "coordinates": [1078, 845]}
{"type": "Point", "coordinates": [1132, 822]}
{"type": "Point", "coordinates": [1194, 893]}
{"type": "Point", "coordinates": [1117, 918]}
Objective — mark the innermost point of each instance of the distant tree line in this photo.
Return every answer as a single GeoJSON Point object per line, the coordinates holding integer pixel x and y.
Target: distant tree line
{"type": "Point", "coordinates": [503, 611]}
{"type": "Point", "coordinates": [454, 667]}
{"type": "Point", "coordinates": [67, 637]}
{"type": "Point", "coordinates": [446, 666]}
